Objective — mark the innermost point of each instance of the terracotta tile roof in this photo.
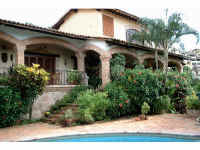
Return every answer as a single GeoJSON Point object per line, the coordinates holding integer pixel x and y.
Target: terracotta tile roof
{"type": "Point", "coordinates": [79, 37]}
{"type": "Point", "coordinates": [114, 11]}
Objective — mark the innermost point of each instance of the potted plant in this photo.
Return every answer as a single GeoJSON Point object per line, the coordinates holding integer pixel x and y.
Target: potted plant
{"type": "Point", "coordinates": [73, 77]}
{"type": "Point", "coordinates": [144, 109]}
{"type": "Point", "coordinates": [67, 118]}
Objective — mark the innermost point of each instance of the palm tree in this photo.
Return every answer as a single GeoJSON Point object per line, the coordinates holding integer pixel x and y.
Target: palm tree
{"type": "Point", "coordinates": [164, 34]}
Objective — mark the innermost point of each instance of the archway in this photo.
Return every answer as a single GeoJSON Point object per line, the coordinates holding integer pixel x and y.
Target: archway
{"type": "Point", "coordinates": [150, 63]}
{"type": "Point", "coordinates": [93, 68]}
{"type": "Point", "coordinates": [174, 66]}
{"type": "Point", "coordinates": [55, 56]}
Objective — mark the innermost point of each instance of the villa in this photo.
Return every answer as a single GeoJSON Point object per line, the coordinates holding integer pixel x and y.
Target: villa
{"type": "Point", "coordinates": [81, 40]}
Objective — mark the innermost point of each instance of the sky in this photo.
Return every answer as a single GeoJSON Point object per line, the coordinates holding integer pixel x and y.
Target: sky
{"type": "Point", "coordinates": [46, 13]}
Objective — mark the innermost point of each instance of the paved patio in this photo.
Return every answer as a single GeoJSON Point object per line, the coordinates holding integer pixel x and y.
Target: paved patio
{"type": "Point", "coordinates": [165, 123]}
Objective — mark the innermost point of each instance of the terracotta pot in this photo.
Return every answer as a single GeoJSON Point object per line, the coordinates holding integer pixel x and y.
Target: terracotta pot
{"type": "Point", "coordinates": [68, 122]}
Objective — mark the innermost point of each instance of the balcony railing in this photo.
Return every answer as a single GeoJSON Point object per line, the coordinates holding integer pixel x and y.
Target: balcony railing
{"type": "Point", "coordinates": [68, 77]}
{"type": "Point", "coordinates": [60, 77]}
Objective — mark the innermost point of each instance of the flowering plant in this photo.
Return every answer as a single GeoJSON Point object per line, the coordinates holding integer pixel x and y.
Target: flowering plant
{"type": "Point", "coordinates": [29, 81]}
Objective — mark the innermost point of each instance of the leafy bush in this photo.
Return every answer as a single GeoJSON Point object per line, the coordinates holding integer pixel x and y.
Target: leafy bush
{"type": "Point", "coordinates": [192, 102]}
{"type": "Point", "coordinates": [117, 65]}
{"type": "Point", "coordinates": [119, 102]}
{"type": "Point", "coordinates": [12, 107]}
{"type": "Point", "coordinates": [69, 98]}
{"type": "Point", "coordinates": [85, 116]}
{"type": "Point", "coordinates": [74, 77]}
{"type": "Point", "coordinates": [178, 87]}
{"type": "Point", "coordinates": [96, 103]}
{"type": "Point", "coordinates": [29, 81]}
{"type": "Point", "coordinates": [3, 80]}
{"type": "Point", "coordinates": [145, 108]}
{"type": "Point", "coordinates": [95, 81]}
{"type": "Point", "coordinates": [163, 104]}
{"type": "Point", "coordinates": [141, 85]}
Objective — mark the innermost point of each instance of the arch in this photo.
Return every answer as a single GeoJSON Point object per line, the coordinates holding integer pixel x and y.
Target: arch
{"type": "Point", "coordinates": [124, 51]}
{"type": "Point", "coordinates": [96, 49]}
{"type": "Point", "coordinates": [150, 56]}
{"type": "Point", "coordinates": [50, 40]}
{"type": "Point", "coordinates": [178, 65]}
{"type": "Point", "coordinates": [8, 38]}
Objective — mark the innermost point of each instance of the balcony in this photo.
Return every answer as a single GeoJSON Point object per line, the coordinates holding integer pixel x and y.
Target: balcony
{"type": "Point", "coordinates": [60, 77]}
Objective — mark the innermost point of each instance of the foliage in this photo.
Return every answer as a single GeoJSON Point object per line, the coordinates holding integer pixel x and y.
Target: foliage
{"type": "Point", "coordinates": [141, 85]}
{"type": "Point", "coordinates": [67, 118]}
{"type": "Point", "coordinates": [69, 98]}
{"type": "Point", "coordinates": [167, 32]}
{"type": "Point", "coordinates": [119, 102]}
{"type": "Point", "coordinates": [12, 106]}
{"type": "Point", "coordinates": [178, 87]}
{"type": "Point", "coordinates": [85, 116]}
{"type": "Point", "coordinates": [163, 104]}
{"type": "Point", "coordinates": [145, 108]}
{"type": "Point", "coordinates": [3, 80]}
{"type": "Point", "coordinates": [29, 81]}
{"type": "Point", "coordinates": [96, 103]}
{"type": "Point", "coordinates": [117, 65]}
{"type": "Point", "coordinates": [193, 102]}
{"type": "Point", "coordinates": [74, 77]}
{"type": "Point", "coordinates": [95, 81]}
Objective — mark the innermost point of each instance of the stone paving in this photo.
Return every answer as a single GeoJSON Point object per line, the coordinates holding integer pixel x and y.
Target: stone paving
{"type": "Point", "coordinates": [165, 123]}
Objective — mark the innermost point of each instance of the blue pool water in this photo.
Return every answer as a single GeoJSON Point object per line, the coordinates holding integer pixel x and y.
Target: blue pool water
{"type": "Point", "coordinates": [124, 137]}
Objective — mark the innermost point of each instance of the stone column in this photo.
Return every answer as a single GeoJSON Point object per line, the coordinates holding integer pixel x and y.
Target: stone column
{"type": "Point", "coordinates": [181, 68]}
{"type": "Point", "coordinates": [80, 61]}
{"type": "Point", "coordinates": [105, 66]}
{"type": "Point", "coordinates": [20, 49]}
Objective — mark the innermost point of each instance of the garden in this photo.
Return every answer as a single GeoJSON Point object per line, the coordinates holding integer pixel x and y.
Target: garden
{"type": "Point", "coordinates": [132, 92]}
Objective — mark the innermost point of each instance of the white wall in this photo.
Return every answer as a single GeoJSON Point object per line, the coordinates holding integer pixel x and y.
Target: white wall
{"type": "Point", "coordinates": [89, 22]}
{"type": "Point", "coordinates": [83, 22]}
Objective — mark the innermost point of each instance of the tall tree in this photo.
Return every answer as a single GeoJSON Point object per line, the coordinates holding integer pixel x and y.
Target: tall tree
{"type": "Point", "coordinates": [164, 33]}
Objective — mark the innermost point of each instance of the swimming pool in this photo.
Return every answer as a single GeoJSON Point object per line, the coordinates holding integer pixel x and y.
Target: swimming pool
{"type": "Point", "coordinates": [122, 137]}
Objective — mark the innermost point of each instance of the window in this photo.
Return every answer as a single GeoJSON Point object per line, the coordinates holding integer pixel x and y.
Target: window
{"type": "Point", "coordinates": [129, 34]}
{"type": "Point", "coordinates": [108, 26]}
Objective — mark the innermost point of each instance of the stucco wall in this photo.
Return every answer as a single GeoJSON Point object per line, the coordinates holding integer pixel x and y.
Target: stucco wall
{"type": "Point", "coordinates": [85, 22]}
{"type": "Point", "coordinates": [9, 62]}
{"type": "Point", "coordinates": [48, 98]}
{"type": "Point", "coordinates": [90, 22]}
{"type": "Point", "coordinates": [121, 24]}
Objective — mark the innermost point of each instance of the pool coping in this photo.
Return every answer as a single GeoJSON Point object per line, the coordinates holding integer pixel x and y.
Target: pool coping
{"type": "Point", "coordinates": [69, 136]}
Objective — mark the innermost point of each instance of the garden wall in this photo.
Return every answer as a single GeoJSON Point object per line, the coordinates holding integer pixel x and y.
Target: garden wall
{"type": "Point", "coordinates": [51, 94]}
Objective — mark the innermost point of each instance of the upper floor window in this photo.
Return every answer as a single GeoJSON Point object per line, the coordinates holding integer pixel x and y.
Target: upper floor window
{"type": "Point", "coordinates": [108, 26]}
{"type": "Point", "coordinates": [129, 36]}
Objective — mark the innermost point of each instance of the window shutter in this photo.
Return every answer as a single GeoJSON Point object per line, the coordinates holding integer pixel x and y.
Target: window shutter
{"type": "Point", "coordinates": [108, 26]}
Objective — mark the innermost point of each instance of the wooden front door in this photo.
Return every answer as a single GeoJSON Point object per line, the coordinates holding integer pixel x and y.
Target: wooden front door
{"type": "Point", "coordinates": [45, 62]}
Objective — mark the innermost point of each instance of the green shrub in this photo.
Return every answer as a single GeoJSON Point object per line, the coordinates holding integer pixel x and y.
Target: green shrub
{"type": "Point", "coordinates": [69, 98]}
{"type": "Point", "coordinates": [74, 77]}
{"type": "Point", "coordinates": [192, 102]}
{"type": "Point", "coordinates": [163, 104]}
{"type": "Point", "coordinates": [96, 103]}
{"type": "Point", "coordinates": [29, 81]}
{"type": "Point", "coordinates": [85, 116]}
{"type": "Point", "coordinates": [12, 107]}
{"type": "Point", "coordinates": [117, 65]}
{"type": "Point", "coordinates": [178, 87]}
{"type": "Point", "coordinates": [141, 85]}
{"type": "Point", "coordinates": [119, 102]}
{"type": "Point", "coordinates": [145, 108]}
{"type": "Point", "coordinates": [4, 80]}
